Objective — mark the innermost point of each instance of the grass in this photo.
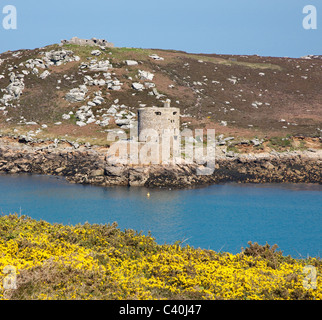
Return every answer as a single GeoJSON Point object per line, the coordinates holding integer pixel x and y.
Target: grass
{"type": "Point", "coordinates": [117, 54]}
{"type": "Point", "coordinates": [227, 62]}
{"type": "Point", "coordinates": [58, 262]}
{"type": "Point", "coordinates": [233, 149]}
{"type": "Point", "coordinates": [279, 143]}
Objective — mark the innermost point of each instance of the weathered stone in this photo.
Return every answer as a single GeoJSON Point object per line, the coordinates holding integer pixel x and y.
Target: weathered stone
{"type": "Point", "coordinates": [98, 172]}
{"type": "Point", "coordinates": [137, 86]}
{"type": "Point", "coordinates": [44, 75]}
{"type": "Point", "coordinates": [146, 75]}
{"type": "Point", "coordinates": [89, 42]}
{"type": "Point", "coordinates": [131, 62]}
{"type": "Point", "coordinates": [96, 53]}
{"type": "Point", "coordinates": [156, 57]}
{"type": "Point", "coordinates": [77, 94]}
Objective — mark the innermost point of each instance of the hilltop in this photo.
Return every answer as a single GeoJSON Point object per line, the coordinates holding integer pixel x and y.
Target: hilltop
{"type": "Point", "coordinates": [82, 92]}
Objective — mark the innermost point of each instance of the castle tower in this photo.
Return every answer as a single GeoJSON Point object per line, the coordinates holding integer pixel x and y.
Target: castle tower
{"type": "Point", "coordinates": [161, 119]}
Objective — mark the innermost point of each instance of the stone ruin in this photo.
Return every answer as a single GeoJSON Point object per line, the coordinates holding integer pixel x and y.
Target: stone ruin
{"type": "Point", "coordinates": [89, 42]}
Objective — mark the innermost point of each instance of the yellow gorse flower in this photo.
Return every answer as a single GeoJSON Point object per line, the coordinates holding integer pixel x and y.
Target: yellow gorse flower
{"type": "Point", "coordinates": [102, 262]}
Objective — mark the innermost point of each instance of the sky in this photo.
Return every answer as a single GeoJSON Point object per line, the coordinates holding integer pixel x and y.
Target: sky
{"type": "Point", "coordinates": [266, 28]}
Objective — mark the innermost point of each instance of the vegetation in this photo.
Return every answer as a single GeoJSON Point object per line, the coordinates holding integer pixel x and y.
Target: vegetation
{"type": "Point", "coordinates": [228, 62]}
{"type": "Point", "coordinates": [233, 148]}
{"type": "Point", "coordinates": [54, 261]}
{"type": "Point", "coordinates": [279, 143]}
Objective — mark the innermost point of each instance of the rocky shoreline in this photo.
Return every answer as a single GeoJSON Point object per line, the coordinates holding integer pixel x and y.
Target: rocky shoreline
{"type": "Point", "coordinates": [91, 165]}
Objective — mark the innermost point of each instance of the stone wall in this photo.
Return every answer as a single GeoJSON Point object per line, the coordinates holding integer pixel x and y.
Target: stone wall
{"type": "Point", "coordinates": [89, 42]}
{"type": "Point", "coordinates": [159, 119]}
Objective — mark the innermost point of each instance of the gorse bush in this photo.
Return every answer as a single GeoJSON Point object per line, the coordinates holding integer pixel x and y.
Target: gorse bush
{"type": "Point", "coordinates": [54, 261]}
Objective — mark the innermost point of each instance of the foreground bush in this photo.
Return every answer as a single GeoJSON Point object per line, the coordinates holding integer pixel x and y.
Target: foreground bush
{"type": "Point", "coordinates": [103, 262]}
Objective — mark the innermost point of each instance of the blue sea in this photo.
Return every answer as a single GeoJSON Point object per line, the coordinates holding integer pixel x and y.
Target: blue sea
{"type": "Point", "coordinates": [219, 217]}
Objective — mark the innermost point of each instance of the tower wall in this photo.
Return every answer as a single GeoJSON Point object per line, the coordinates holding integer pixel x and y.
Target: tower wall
{"type": "Point", "coordinates": [159, 119]}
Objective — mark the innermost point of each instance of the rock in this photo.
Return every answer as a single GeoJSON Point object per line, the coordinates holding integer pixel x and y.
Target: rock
{"type": "Point", "coordinates": [14, 89]}
{"type": "Point", "coordinates": [121, 122]}
{"type": "Point", "coordinates": [91, 120]}
{"type": "Point", "coordinates": [57, 57]}
{"type": "Point", "coordinates": [149, 85]}
{"type": "Point", "coordinates": [101, 66]}
{"type": "Point", "coordinates": [101, 82]}
{"type": "Point", "coordinates": [44, 75]}
{"type": "Point", "coordinates": [137, 86]}
{"type": "Point", "coordinates": [146, 75]}
{"type": "Point", "coordinates": [156, 93]}
{"type": "Point", "coordinates": [96, 53]}
{"type": "Point", "coordinates": [91, 104]}
{"type": "Point", "coordinates": [256, 142]}
{"type": "Point", "coordinates": [156, 57]}
{"type": "Point", "coordinates": [88, 80]}
{"type": "Point", "coordinates": [232, 80]}
{"type": "Point", "coordinates": [77, 94]}
{"type": "Point", "coordinates": [116, 88]}
{"type": "Point", "coordinates": [75, 145]}
{"type": "Point", "coordinates": [105, 122]}
{"type": "Point", "coordinates": [268, 166]}
{"type": "Point", "coordinates": [81, 123]}
{"type": "Point", "coordinates": [83, 88]}
{"type": "Point", "coordinates": [98, 172]}
{"type": "Point", "coordinates": [59, 170]}
{"type": "Point", "coordinates": [98, 100]}
{"type": "Point", "coordinates": [81, 166]}
{"type": "Point", "coordinates": [131, 62]}
{"type": "Point", "coordinates": [112, 110]}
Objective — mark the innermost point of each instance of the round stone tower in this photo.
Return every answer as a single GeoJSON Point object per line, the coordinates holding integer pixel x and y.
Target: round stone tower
{"type": "Point", "coordinates": [163, 120]}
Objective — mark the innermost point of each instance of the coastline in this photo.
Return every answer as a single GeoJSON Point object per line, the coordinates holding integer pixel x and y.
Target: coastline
{"type": "Point", "coordinates": [91, 165]}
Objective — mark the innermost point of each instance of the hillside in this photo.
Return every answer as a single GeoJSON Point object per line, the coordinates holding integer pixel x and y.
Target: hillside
{"type": "Point", "coordinates": [56, 262]}
{"type": "Point", "coordinates": [81, 91]}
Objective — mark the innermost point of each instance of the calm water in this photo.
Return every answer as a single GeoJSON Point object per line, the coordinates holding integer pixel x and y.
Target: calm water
{"type": "Point", "coordinates": [219, 217]}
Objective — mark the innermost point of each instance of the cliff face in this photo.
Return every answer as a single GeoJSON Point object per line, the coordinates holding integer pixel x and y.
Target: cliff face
{"type": "Point", "coordinates": [91, 166]}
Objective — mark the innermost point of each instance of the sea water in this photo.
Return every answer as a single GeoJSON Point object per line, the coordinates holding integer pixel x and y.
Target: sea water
{"type": "Point", "coordinates": [219, 217]}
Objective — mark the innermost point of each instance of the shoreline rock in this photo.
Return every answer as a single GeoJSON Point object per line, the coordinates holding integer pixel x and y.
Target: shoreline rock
{"type": "Point", "coordinates": [90, 165]}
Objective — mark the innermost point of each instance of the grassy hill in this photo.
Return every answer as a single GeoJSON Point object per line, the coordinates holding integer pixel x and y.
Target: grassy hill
{"type": "Point", "coordinates": [240, 96]}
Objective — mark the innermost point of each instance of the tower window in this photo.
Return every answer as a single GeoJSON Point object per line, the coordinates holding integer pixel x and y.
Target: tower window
{"type": "Point", "coordinates": [174, 113]}
{"type": "Point", "coordinates": [158, 113]}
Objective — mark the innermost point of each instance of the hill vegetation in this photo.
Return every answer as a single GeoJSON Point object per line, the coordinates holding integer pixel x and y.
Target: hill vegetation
{"type": "Point", "coordinates": [86, 91]}
{"type": "Point", "coordinates": [54, 261]}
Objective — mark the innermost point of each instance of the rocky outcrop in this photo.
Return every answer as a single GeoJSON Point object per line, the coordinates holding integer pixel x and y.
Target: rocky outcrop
{"type": "Point", "coordinates": [89, 165]}
{"type": "Point", "coordinates": [76, 94]}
